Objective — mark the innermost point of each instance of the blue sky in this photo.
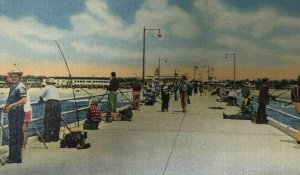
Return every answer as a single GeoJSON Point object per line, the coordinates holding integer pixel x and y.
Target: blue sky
{"type": "Point", "coordinates": [99, 36]}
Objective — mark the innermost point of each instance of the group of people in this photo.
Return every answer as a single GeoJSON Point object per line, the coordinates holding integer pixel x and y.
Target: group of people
{"type": "Point", "coordinates": [19, 114]}
{"type": "Point", "coordinates": [264, 97]}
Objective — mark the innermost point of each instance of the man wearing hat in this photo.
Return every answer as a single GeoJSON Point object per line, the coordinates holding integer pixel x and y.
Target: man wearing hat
{"type": "Point", "coordinates": [113, 88]}
{"type": "Point", "coordinates": [52, 111]}
{"type": "Point", "coordinates": [184, 88]}
{"type": "Point", "coordinates": [14, 107]}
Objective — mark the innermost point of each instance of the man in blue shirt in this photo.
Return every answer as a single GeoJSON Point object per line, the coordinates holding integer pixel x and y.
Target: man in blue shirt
{"type": "Point", "coordinates": [14, 107]}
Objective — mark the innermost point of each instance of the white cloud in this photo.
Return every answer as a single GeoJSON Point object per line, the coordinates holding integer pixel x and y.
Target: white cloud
{"type": "Point", "coordinates": [105, 51]}
{"type": "Point", "coordinates": [31, 34]}
{"type": "Point", "coordinates": [288, 42]}
{"type": "Point", "coordinates": [257, 22]}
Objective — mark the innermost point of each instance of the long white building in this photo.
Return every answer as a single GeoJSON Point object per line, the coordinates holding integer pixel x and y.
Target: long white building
{"type": "Point", "coordinates": [81, 81]}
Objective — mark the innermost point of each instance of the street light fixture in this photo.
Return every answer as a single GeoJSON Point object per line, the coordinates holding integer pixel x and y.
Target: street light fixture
{"type": "Point", "coordinates": [195, 68]}
{"type": "Point", "coordinates": [226, 56]}
{"type": "Point", "coordinates": [207, 71]}
{"type": "Point", "coordinates": [176, 74]}
{"type": "Point", "coordinates": [159, 66]}
{"type": "Point", "coordinates": [144, 49]}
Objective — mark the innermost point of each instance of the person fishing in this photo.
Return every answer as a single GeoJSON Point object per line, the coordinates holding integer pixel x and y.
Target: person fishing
{"type": "Point", "coordinates": [52, 117]}
{"type": "Point", "coordinates": [94, 116]}
{"type": "Point", "coordinates": [247, 111]}
{"type": "Point", "coordinates": [263, 101]}
{"type": "Point", "coordinates": [112, 95]}
{"type": "Point", "coordinates": [295, 95]}
{"type": "Point", "coordinates": [14, 107]}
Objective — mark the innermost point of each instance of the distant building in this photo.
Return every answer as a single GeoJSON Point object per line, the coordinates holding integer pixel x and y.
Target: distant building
{"type": "Point", "coordinates": [2, 83]}
{"type": "Point", "coordinates": [85, 82]}
{"type": "Point", "coordinates": [34, 82]}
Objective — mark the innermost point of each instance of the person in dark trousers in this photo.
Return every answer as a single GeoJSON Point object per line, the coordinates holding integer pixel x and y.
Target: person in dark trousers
{"type": "Point", "coordinates": [295, 95]}
{"type": "Point", "coordinates": [184, 89]}
{"type": "Point", "coordinates": [14, 107]}
{"type": "Point", "coordinates": [112, 95]}
{"type": "Point", "coordinates": [165, 96]}
{"type": "Point", "coordinates": [52, 111]}
{"type": "Point", "coordinates": [195, 86]}
{"type": "Point", "coordinates": [263, 101]}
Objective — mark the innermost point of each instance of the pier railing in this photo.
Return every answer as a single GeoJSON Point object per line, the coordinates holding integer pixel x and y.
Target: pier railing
{"type": "Point", "coordinates": [281, 117]}
{"type": "Point", "coordinates": [39, 111]}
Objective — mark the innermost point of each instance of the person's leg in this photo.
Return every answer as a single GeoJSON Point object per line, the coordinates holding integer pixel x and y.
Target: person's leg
{"type": "Point", "coordinates": [182, 100]}
{"type": "Point", "coordinates": [167, 103]}
{"type": "Point", "coordinates": [115, 96]}
{"type": "Point", "coordinates": [16, 118]}
{"type": "Point", "coordinates": [56, 121]}
{"type": "Point", "coordinates": [25, 133]}
{"type": "Point", "coordinates": [47, 123]}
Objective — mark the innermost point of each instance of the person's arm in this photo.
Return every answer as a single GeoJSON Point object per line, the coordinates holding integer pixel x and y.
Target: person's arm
{"type": "Point", "coordinates": [16, 104]}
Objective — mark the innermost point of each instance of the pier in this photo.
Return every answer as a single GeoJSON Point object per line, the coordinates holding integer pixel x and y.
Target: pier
{"type": "Point", "coordinates": [197, 142]}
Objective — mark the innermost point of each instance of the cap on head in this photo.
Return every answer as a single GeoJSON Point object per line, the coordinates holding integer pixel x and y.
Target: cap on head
{"type": "Point", "coordinates": [94, 101]}
{"type": "Point", "coordinates": [50, 81]}
{"type": "Point", "coordinates": [113, 74]}
{"type": "Point", "coordinates": [15, 71]}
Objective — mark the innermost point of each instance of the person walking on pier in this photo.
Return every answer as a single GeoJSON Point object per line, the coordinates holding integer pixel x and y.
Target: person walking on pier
{"type": "Point", "coordinates": [195, 86]}
{"type": "Point", "coordinates": [14, 107]}
{"type": "Point", "coordinates": [184, 89]}
{"type": "Point", "coordinates": [263, 101]}
{"type": "Point", "coordinates": [201, 88]}
{"type": "Point", "coordinates": [112, 95]}
{"type": "Point", "coordinates": [295, 95]}
{"type": "Point", "coordinates": [165, 96]}
{"type": "Point", "coordinates": [52, 117]}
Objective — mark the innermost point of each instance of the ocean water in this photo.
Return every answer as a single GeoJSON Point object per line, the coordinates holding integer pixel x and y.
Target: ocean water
{"type": "Point", "coordinates": [38, 109]}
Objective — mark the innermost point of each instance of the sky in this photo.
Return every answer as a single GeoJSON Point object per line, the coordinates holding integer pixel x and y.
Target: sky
{"type": "Point", "coordinates": [101, 36]}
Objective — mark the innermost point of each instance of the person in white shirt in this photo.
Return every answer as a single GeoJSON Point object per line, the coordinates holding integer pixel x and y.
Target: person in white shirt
{"type": "Point", "coordinates": [52, 111]}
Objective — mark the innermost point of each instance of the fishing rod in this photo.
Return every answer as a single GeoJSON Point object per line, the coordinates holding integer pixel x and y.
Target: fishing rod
{"type": "Point", "coordinates": [40, 136]}
{"type": "Point", "coordinates": [71, 84]}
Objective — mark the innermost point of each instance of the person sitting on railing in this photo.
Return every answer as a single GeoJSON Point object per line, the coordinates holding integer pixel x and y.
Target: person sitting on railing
{"type": "Point", "coordinates": [94, 116]}
{"type": "Point", "coordinates": [295, 95]}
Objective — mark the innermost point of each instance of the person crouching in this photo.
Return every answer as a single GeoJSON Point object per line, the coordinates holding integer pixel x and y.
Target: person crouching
{"type": "Point", "coordinates": [94, 116]}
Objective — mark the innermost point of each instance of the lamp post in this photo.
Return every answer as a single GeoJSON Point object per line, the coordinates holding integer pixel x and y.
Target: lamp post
{"type": "Point", "coordinates": [176, 74]}
{"type": "Point", "coordinates": [226, 56]}
{"type": "Point", "coordinates": [195, 68]}
{"type": "Point", "coordinates": [159, 66]}
{"type": "Point", "coordinates": [144, 49]}
{"type": "Point", "coordinates": [200, 76]}
{"type": "Point", "coordinates": [207, 71]}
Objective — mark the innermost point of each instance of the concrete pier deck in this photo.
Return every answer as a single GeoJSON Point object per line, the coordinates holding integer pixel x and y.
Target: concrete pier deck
{"type": "Point", "coordinates": [197, 142]}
